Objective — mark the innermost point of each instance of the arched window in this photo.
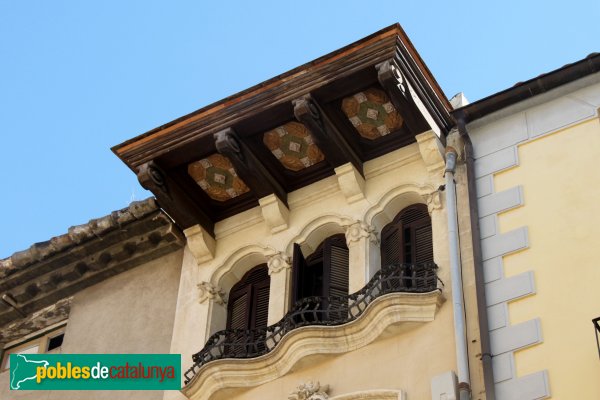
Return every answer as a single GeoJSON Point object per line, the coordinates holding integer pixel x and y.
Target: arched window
{"type": "Point", "coordinates": [248, 306]}
{"type": "Point", "coordinates": [324, 273]}
{"type": "Point", "coordinates": [408, 238]}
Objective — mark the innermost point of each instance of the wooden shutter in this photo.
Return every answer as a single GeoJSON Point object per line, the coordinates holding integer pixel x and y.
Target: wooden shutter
{"type": "Point", "coordinates": [423, 242]}
{"type": "Point", "coordinates": [298, 268]}
{"type": "Point", "coordinates": [238, 313]}
{"type": "Point", "coordinates": [391, 244]}
{"type": "Point", "coordinates": [260, 305]}
{"type": "Point", "coordinates": [249, 300]}
{"type": "Point", "coordinates": [335, 282]}
{"type": "Point", "coordinates": [409, 239]}
{"type": "Point", "coordinates": [336, 265]}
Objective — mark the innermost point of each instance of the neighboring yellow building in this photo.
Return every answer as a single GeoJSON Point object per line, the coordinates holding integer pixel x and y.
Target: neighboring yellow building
{"type": "Point", "coordinates": [342, 231]}
{"type": "Point", "coordinates": [536, 147]}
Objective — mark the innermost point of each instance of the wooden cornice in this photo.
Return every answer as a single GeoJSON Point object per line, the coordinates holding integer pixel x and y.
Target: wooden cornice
{"type": "Point", "coordinates": [174, 199]}
{"type": "Point", "coordinates": [384, 45]}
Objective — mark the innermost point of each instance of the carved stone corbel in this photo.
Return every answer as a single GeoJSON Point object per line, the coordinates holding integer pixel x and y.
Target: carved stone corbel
{"type": "Point", "coordinates": [432, 151]}
{"type": "Point", "coordinates": [360, 230]}
{"type": "Point", "coordinates": [208, 291]}
{"type": "Point", "coordinates": [434, 201]}
{"type": "Point", "coordinates": [278, 262]}
{"type": "Point", "coordinates": [310, 391]}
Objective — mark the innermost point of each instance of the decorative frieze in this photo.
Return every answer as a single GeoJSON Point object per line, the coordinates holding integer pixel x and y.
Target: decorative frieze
{"type": "Point", "coordinates": [208, 291]}
{"type": "Point", "coordinates": [310, 391]}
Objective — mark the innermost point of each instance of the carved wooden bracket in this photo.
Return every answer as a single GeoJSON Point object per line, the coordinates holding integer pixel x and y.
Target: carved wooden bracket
{"type": "Point", "coordinates": [396, 87]}
{"type": "Point", "coordinates": [253, 172]}
{"type": "Point", "coordinates": [172, 198]}
{"type": "Point", "coordinates": [331, 142]}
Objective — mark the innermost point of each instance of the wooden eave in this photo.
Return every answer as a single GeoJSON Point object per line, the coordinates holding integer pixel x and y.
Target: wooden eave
{"type": "Point", "coordinates": [388, 43]}
{"type": "Point", "coordinates": [312, 95]}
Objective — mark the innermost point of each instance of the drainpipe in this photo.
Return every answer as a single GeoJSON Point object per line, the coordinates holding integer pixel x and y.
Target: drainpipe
{"type": "Point", "coordinates": [460, 334]}
{"type": "Point", "coordinates": [486, 353]}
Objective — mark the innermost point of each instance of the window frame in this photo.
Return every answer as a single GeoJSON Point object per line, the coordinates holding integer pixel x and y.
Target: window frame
{"type": "Point", "coordinates": [40, 339]}
{"type": "Point", "coordinates": [323, 256]}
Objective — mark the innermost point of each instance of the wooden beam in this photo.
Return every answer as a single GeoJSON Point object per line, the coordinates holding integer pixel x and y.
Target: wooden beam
{"type": "Point", "coordinates": [329, 139]}
{"type": "Point", "coordinates": [173, 198]}
{"type": "Point", "coordinates": [248, 166]}
{"type": "Point", "coordinates": [396, 87]}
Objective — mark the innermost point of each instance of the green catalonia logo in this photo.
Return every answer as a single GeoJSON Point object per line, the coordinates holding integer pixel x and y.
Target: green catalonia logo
{"type": "Point", "coordinates": [95, 371]}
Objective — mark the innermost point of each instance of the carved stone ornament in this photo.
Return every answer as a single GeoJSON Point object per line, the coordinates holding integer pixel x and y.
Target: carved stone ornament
{"type": "Point", "coordinates": [360, 230]}
{"type": "Point", "coordinates": [208, 291]}
{"type": "Point", "coordinates": [310, 391]}
{"type": "Point", "coordinates": [277, 262]}
{"type": "Point", "coordinates": [434, 201]}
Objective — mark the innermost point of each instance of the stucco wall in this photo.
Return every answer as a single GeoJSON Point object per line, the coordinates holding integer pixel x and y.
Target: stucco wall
{"type": "Point", "coordinates": [561, 212]}
{"type": "Point", "coordinates": [129, 313]}
{"type": "Point", "coordinates": [537, 189]}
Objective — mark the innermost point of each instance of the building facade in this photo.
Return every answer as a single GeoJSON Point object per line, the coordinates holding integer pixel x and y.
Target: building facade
{"type": "Point", "coordinates": [341, 231]}
{"type": "Point", "coordinates": [534, 149]}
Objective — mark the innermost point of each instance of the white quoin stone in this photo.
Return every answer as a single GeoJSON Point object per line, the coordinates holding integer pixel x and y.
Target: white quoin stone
{"type": "Point", "coordinates": [351, 183]}
{"type": "Point", "coordinates": [274, 212]}
{"type": "Point", "coordinates": [432, 150]}
{"type": "Point", "coordinates": [201, 243]}
{"type": "Point", "coordinates": [444, 387]}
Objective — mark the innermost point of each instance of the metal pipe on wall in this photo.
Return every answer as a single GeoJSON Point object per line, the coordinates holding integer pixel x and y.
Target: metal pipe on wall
{"type": "Point", "coordinates": [460, 334]}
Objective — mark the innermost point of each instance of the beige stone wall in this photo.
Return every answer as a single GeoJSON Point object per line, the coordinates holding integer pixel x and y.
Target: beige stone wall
{"type": "Point", "coordinates": [129, 313]}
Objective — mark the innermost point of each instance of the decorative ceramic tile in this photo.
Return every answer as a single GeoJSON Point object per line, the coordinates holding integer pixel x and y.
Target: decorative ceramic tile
{"type": "Point", "coordinates": [217, 177]}
{"type": "Point", "coordinates": [372, 113]}
{"type": "Point", "coordinates": [293, 145]}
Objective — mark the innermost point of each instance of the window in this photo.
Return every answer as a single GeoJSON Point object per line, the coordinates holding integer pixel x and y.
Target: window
{"type": "Point", "coordinates": [408, 240]}
{"type": "Point", "coordinates": [249, 300]}
{"type": "Point", "coordinates": [324, 273]}
{"type": "Point", "coordinates": [46, 343]}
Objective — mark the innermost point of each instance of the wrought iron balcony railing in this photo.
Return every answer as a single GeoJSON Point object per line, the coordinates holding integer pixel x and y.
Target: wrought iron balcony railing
{"type": "Point", "coordinates": [333, 310]}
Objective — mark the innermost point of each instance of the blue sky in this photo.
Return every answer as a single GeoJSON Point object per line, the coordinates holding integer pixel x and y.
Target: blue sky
{"type": "Point", "coordinates": [77, 77]}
